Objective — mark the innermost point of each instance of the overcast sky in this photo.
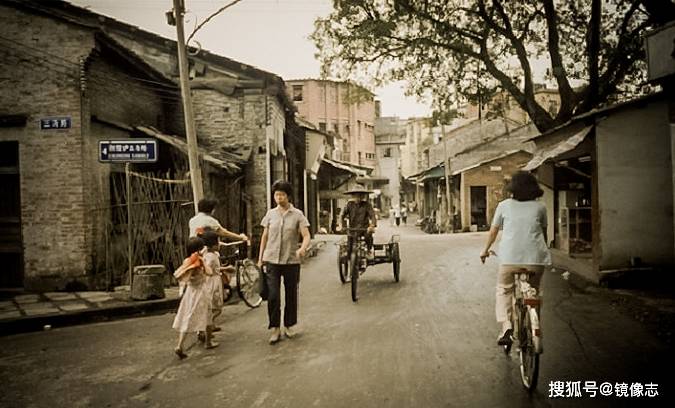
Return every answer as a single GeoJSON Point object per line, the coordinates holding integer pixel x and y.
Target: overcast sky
{"type": "Point", "coordinates": [269, 34]}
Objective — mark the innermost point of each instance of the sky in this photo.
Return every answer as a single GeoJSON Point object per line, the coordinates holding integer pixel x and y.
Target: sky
{"type": "Point", "coordinates": [272, 35]}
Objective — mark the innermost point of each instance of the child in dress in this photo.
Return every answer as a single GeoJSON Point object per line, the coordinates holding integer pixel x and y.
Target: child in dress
{"type": "Point", "coordinates": [194, 312]}
{"type": "Point", "coordinates": [214, 282]}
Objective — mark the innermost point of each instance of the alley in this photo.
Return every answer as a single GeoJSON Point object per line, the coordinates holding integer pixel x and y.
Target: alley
{"type": "Point", "coordinates": [427, 341]}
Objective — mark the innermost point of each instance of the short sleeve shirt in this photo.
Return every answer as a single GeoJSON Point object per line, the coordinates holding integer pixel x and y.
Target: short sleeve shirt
{"type": "Point", "coordinates": [523, 224]}
{"type": "Point", "coordinates": [283, 235]}
{"type": "Point", "coordinates": [202, 220]}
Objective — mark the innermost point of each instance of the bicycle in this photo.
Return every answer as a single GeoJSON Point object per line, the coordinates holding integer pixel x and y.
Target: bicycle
{"type": "Point", "coordinates": [526, 326]}
{"type": "Point", "coordinates": [247, 275]}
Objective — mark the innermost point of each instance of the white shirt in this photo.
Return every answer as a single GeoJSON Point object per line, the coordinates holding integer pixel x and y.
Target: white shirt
{"type": "Point", "coordinates": [202, 220]}
{"type": "Point", "coordinates": [523, 224]}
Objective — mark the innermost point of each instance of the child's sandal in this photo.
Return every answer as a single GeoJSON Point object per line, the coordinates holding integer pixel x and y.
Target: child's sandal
{"type": "Point", "coordinates": [179, 352]}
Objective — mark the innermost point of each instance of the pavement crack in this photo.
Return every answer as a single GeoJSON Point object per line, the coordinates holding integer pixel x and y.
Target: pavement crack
{"type": "Point", "coordinates": [569, 322]}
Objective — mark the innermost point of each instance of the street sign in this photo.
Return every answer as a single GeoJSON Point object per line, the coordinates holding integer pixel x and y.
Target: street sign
{"type": "Point", "coordinates": [62, 122]}
{"type": "Point", "coordinates": [127, 151]}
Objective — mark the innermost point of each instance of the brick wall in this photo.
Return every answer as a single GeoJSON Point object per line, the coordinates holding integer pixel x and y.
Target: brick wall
{"type": "Point", "coordinates": [40, 78]}
{"type": "Point", "coordinates": [493, 180]}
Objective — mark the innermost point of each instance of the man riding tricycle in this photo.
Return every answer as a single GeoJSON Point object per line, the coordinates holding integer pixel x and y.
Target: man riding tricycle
{"type": "Point", "coordinates": [358, 250]}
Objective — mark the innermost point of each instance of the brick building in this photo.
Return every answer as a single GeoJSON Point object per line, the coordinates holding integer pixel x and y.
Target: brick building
{"type": "Point", "coordinates": [110, 80]}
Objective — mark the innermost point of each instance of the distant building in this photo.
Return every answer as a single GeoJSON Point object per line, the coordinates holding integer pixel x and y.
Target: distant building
{"type": "Point", "coordinates": [340, 108]}
{"type": "Point", "coordinates": [389, 137]}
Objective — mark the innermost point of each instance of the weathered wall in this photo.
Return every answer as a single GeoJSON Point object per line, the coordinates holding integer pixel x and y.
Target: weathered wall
{"type": "Point", "coordinates": [635, 191]}
{"type": "Point", "coordinates": [493, 180]}
{"type": "Point", "coordinates": [41, 79]}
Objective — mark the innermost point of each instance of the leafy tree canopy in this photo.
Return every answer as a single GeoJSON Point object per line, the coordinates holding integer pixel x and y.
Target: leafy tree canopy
{"type": "Point", "coordinates": [473, 48]}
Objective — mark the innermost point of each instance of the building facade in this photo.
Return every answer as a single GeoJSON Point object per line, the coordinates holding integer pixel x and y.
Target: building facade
{"type": "Point", "coordinates": [389, 137]}
{"type": "Point", "coordinates": [340, 108]}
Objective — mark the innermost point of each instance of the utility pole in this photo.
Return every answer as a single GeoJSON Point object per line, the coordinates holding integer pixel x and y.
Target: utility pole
{"type": "Point", "coordinates": [193, 153]}
{"type": "Point", "coordinates": [446, 166]}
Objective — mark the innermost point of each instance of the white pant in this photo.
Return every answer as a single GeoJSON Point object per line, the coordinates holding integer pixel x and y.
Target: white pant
{"type": "Point", "coordinates": [505, 288]}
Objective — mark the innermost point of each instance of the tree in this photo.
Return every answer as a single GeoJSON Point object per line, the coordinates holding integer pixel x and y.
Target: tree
{"type": "Point", "coordinates": [474, 48]}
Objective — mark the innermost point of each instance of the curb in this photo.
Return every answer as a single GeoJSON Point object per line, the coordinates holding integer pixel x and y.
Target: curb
{"type": "Point", "coordinates": [36, 323]}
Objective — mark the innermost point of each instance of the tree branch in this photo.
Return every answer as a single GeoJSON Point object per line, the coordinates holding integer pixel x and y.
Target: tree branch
{"type": "Point", "coordinates": [567, 95]}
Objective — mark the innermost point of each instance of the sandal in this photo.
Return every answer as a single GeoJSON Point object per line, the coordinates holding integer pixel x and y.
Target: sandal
{"type": "Point", "coordinates": [179, 352]}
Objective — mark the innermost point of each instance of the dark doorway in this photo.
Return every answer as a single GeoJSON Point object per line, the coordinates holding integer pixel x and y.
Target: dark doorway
{"type": "Point", "coordinates": [11, 245]}
{"type": "Point", "coordinates": [479, 207]}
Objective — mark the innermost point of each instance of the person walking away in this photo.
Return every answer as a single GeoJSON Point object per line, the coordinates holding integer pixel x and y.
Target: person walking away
{"type": "Point", "coordinates": [523, 244]}
{"type": "Point", "coordinates": [392, 216]}
{"type": "Point", "coordinates": [360, 214]}
{"type": "Point", "coordinates": [214, 281]}
{"type": "Point", "coordinates": [397, 215]}
{"type": "Point", "coordinates": [194, 312]}
{"type": "Point", "coordinates": [404, 214]}
{"type": "Point", "coordinates": [283, 226]}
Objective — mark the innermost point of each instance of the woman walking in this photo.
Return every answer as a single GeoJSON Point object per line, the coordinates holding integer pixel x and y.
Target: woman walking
{"type": "Point", "coordinates": [283, 225]}
{"type": "Point", "coordinates": [523, 244]}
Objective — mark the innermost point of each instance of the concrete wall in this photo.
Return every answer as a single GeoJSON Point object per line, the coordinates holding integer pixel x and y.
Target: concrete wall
{"type": "Point", "coordinates": [336, 105]}
{"type": "Point", "coordinates": [635, 190]}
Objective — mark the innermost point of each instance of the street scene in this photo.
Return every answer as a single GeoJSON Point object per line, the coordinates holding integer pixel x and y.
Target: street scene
{"type": "Point", "coordinates": [424, 341]}
{"type": "Point", "coordinates": [331, 203]}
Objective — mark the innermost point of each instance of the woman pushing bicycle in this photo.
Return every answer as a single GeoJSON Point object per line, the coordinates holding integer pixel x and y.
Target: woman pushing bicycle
{"type": "Point", "coordinates": [523, 244]}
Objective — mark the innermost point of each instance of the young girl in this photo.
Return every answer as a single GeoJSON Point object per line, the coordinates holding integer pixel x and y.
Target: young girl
{"type": "Point", "coordinates": [214, 282]}
{"type": "Point", "coordinates": [194, 312]}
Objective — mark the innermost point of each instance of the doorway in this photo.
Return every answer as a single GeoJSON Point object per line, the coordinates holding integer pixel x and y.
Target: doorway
{"type": "Point", "coordinates": [479, 207]}
{"type": "Point", "coordinates": [11, 244]}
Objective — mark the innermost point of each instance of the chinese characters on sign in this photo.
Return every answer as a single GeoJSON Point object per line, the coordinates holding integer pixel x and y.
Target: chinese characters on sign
{"type": "Point", "coordinates": [131, 150]}
{"type": "Point", "coordinates": [575, 389]}
{"type": "Point", "coordinates": [55, 123]}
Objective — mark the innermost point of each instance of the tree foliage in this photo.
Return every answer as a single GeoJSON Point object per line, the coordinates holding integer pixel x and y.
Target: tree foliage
{"type": "Point", "coordinates": [471, 49]}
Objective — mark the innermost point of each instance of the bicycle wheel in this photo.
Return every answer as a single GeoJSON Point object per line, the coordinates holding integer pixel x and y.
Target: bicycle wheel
{"type": "Point", "coordinates": [343, 268]}
{"type": "Point", "coordinates": [354, 270]}
{"type": "Point", "coordinates": [248, 283]}
{"type": "Point", "coordinates": [396, 261]}
{"type": "Point", "coordinates": [529, 357]}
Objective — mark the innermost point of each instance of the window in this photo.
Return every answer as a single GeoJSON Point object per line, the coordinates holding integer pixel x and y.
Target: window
{"type": "Point", "coordinates": [387, 152]}
{"type": "Point", "coordinates": [370, 156]}
{"type": "Point", "coordinates": [358, 127]}
{"type": "Point", "coordinates": [322, 126]}
{"type": "Point", "coordinates": [297, 93]}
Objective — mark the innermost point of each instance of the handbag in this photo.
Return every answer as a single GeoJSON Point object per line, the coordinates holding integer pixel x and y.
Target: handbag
{"type": "Point", "coordinates": [264, 289]}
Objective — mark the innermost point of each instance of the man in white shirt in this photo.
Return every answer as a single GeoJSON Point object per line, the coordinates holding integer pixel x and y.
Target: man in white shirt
{"type": "Point", "coordinates": [205, 219]}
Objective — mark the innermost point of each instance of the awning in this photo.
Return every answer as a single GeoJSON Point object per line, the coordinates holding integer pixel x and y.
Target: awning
{"type": "Point", "coordinates": [345, 167]}
{"type": "Point", "coordinates": [556, 149]}
{"type": "Point", "coordinates": [435, 172]}
{"type": "Point", "coordinates": [228, 165]}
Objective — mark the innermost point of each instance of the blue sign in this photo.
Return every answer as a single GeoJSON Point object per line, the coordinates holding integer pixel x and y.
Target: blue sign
{"type": "Point", "coordinates": [127, 151]}
{"type": "Point", "coordinates": [55, 123]}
